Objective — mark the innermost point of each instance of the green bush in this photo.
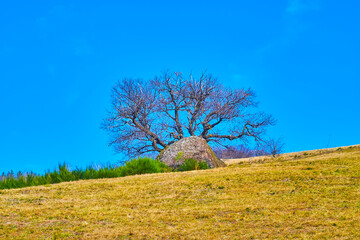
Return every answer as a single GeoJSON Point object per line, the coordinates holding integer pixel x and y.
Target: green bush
{"type": "Point", "coordinates": [64, 174]}
{"type": "Point", "coordinates": [142, 166]}
{"type": "Point", "coordinates": [192, 164]}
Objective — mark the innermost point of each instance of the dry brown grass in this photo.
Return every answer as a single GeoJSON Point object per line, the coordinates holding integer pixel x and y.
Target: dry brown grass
{"type": "Point", "coordinates": [312, 196]}
{"type": "Point", "coordinates": [287, 156]}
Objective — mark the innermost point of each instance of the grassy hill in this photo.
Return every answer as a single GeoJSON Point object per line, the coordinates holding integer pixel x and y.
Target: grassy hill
{"type": "Point", "coordinates": [306, 195]}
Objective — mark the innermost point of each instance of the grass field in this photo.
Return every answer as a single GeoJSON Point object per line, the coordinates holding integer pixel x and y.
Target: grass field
{"type": "Point", "coordinates": [307, 195]}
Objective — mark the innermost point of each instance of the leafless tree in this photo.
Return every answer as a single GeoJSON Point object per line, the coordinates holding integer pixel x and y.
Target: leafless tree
{"type": "Point", "coordinates": [269, 147]}
{"type": "Point", "coordinates": [231, 152]}
{"type": "Point", "coordinates": [273, 147]}
{"type": "Point", "coordinates": [148, 116]}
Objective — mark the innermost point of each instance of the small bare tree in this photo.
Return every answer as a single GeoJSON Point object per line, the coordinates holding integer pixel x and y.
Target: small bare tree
{"type": "Point", "coordinates": [273, 147]}
{"type": "Point", "coordinates": [148, 116]}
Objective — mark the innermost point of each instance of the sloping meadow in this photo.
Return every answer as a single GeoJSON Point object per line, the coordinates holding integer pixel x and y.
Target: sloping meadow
{"type": "Point", "coordinates": [310, 196]}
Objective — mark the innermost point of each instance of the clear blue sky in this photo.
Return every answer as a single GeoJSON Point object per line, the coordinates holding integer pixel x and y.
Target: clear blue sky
{"type": "Point", "coordinates": [59, 59]}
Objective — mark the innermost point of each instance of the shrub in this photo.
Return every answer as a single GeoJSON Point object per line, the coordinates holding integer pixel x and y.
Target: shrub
{"type": "Point", "coordinates": [64, 174]}
{"type": "Point", "coordinates": [142, 166]}
{"type": "Point", "coordinates": [192, 164]}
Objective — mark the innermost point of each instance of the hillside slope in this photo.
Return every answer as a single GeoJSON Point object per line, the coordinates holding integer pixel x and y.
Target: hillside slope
{"type": "Point", "coordinates": [312, 195]}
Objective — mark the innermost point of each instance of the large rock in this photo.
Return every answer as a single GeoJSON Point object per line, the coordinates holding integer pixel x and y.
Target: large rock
{"type": "Point", "coordinates": [190, 147]}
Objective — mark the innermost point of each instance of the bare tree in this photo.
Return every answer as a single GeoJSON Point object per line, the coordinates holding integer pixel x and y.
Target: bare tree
{"type": "Point", "coordinates": [269, 147]}
{"type": "Point", "coordinates": [272, 147]}
{"type": "Point", "coordinates": [148, 116]}
{"type": "Point", "coordinates": [230, 152]}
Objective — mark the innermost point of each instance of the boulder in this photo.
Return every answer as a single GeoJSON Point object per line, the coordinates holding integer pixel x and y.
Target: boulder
{"type": "Point", "coordinates": [189, 147]}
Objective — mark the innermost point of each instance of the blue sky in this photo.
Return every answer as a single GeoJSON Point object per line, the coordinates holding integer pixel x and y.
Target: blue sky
{"type": "Point", "coordinates": [59, 59]}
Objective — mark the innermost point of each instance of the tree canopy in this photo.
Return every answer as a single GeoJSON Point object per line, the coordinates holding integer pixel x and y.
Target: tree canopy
{"type": "Point", "coordinates": [148, 116]}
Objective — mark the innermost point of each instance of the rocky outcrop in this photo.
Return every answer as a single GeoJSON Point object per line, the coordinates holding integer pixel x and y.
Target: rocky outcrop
{"type": "Point", "coordinates": [189, 147]}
